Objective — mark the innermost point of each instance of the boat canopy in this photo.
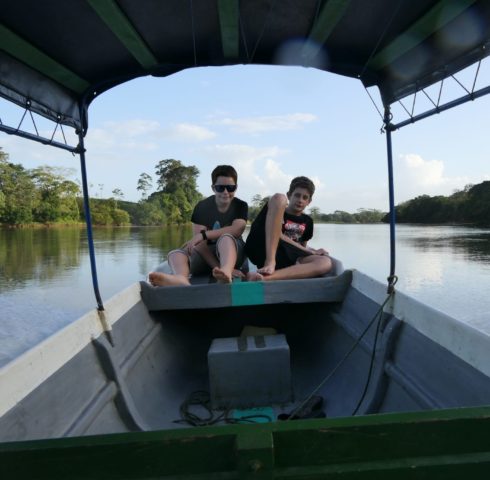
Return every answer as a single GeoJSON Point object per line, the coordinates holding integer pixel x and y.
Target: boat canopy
{"type": "Point", "coordinates": [57, 56]}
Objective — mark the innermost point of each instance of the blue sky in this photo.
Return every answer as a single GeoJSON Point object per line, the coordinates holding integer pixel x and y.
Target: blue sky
{"type": "Point", "coordinates": [271, 123]}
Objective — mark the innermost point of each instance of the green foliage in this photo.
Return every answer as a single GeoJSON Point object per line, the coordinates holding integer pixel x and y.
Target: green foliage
{"type": "Point", "coordinates": [257, 204]}
{"type": "Point", "coordinates": [477, 206]}
{"type": "Point", "coordinates": [471, 205]}
{"type": "Point", "coordinates": [145, 184]}
{"type": "Point", "coordinates": [120, 217]}
{"type": "Point", "coordinates": [148, 213]}
{"type": "Point", "coordinates": [177, 192]}
{"type": "Point", "coordinates": [315, 213]}
{"type": "Point", "coordinates": [18, 193]}
{"type": "Point", "coordinates": [363, 215]}
{"type": "Point", "coordinates": [56, 196]}
{"type": "Point", "coordinates": [105, 212]}
{"type": "Point", "coordinates": [45, 195]}
{"type": "Point", "coordinates": [40, 195]}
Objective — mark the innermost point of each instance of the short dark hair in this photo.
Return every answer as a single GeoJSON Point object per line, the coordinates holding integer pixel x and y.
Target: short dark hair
{"type": "Point", "coordinates": [302, 182]}
{"type": "Point", "coordinates": [223, 171]}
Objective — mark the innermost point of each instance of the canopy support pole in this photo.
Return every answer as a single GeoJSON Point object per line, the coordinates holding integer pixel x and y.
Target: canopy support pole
{"type": "Point", "coordinates": [388, 127]}
{"type": "Point", "coordinates": [88, 221]}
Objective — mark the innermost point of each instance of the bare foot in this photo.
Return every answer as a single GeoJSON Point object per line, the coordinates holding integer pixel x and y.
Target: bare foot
{"type": "Point", "coordinates": [267, 269]}
{"type": "Point", "coordinates": [254, 277]}
{"type": "Point", "coordinates": [237, 274]}
{"type": "Point", "coordinates": [221, 275]}
{"type": "Point", "coordinates": [158, 279]}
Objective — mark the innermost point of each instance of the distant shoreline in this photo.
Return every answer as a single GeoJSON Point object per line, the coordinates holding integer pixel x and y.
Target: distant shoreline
{"type": "Point", "coordinates": [40, 226]}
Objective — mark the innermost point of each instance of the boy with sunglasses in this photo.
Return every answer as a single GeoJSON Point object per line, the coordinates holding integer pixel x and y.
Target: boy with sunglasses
{"type": "Point", "coordinates": [278, 237]}
{"type": "Point", "coordinates": [217, 245]}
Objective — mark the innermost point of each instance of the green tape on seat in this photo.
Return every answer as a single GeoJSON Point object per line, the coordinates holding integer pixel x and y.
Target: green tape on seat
{"type": "Point", "coordinates": [247, 293]}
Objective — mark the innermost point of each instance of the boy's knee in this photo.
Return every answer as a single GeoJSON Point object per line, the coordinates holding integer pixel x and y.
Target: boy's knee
{"type": "Point", "coordinates": [279, 200]}
{"type": "Point", "coordinates": [176, 253]}
{"type": "Point", "coordinates": [226, 239]}
{"type": "Point", "coordinates": [325, 263]}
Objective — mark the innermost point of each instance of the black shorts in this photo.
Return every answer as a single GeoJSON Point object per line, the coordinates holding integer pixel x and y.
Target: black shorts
{"type": "Point", "coordinates": [286, 254]}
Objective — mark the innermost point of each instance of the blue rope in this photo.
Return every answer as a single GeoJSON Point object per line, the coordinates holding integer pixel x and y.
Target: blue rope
{"type": "Point", "coordinates": [88, 221]}
{"type": "Point", "coordinates": [392, 279]}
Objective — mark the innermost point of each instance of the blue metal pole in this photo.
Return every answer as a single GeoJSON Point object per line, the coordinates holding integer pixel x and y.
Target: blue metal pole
{"type": "Point", "coordinates": [392, 215]}
{"type": "Point", "coordinates": [88, 221]}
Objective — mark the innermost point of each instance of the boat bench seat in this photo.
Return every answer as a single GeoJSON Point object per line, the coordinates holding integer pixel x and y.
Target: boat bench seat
{"type": "Point", "coordinates": [310, 290]}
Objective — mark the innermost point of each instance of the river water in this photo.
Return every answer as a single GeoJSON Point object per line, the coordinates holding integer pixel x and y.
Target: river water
{"type": "Point", "coordinates": [45, 280]}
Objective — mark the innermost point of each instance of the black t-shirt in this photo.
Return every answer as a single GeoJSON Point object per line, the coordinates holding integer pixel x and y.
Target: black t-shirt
{"type": "Point", "coordinates": [206, 213]}
{"type": "Point", "coordinates": [297, 227]}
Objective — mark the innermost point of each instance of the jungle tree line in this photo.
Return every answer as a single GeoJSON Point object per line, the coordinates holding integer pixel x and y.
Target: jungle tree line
{"type": "Point", "coordinates": [42, 194]}
{"type": "Point", "coordinates": [363, 215]}
{"type": "Point", "coordinates": [175, 196]}
{"type": "Point", "coordinates": [45, 195]}
{"type": "Point", "coordinates": [468, 206]}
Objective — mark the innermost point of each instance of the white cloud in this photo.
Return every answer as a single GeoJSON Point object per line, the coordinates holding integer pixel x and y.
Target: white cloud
{"type": "Point", "coordinates": [416, 176]}
{"type": "Point", "coordinates": [269, 123]}
{"type": "Point", "coordinates": [138, 134]}
{"type": "Point", "coordinates": [187, 132]}
{"type": "Point", "coordinates": [259, 169]}
{"type": "Point", "coordinates": [428, 173]}
{"type": "Point", "coordinates": [132, 128]}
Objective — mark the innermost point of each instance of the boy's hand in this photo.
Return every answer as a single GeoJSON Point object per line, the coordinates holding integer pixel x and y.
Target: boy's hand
{"type": "Point", "coordinates": [237, 274]}
{"type": "Point", "coordinates": [319, 251]}
{"type": "Point", "coordinates": [194, 241]}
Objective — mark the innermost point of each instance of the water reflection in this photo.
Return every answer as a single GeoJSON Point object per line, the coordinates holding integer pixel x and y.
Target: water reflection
{"type": "Point", "coordinates": [45, 276]}
{"type": "Point", "coordinates": [41, 254]}
{"type": "Point", "coordinates": [473, 244]}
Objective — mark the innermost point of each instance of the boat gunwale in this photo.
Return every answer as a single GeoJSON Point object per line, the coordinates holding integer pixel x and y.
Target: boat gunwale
{"type": "Point", "coordinates": [460, 338]}
{"type": "Point", "coordinates": [23, 374]}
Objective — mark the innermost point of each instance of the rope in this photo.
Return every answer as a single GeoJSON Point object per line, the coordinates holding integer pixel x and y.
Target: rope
{"type": "Point", "coordinates": [371, 363]}
{"type": "Point", "coordinates": [344, 358]}
{"type": "Point", "coordinates": [201, 398]}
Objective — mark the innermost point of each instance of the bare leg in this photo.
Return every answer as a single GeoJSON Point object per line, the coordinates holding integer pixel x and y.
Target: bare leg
{"type": "Point", "coordinates": [307, 267]}
{"type": "Point", "coordinates": [227, 257]}
{"type": "Point", "coordinates": [273, 228]}
{"type": "Point", "coordinates": [179, 263]}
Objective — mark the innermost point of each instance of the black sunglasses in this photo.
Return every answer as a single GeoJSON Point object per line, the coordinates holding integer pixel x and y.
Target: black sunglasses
{"type": "Point", "coordinates": [221, 188]}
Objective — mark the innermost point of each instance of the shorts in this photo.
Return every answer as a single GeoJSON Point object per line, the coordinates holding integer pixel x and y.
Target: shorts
{"type": "Point", "coordinates": [198, 265]}
{"type": "Point", "coordinates": [286, 255]}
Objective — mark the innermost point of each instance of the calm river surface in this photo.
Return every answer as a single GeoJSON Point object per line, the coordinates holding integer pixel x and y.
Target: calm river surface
{"type": "Point", "coordinates": [45, 280]}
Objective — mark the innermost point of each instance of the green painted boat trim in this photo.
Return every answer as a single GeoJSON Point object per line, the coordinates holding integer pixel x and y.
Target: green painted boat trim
{"type": "Point", "coordinates": [437, 17]}
{"type": "Point", "coordinates": [247, 293]}
{"type": "Point", "coordinates": [228, 18]}
{"type": "Point", "coordinates": [124, 30]}
{"type": "Point", "coordinates": [36, 59]}
{"type": "Point", "coordinates": [444, 444]}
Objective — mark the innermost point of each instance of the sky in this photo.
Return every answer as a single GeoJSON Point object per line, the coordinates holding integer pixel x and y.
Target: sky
{"type": "Point", "coordinates": [271, 124]}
